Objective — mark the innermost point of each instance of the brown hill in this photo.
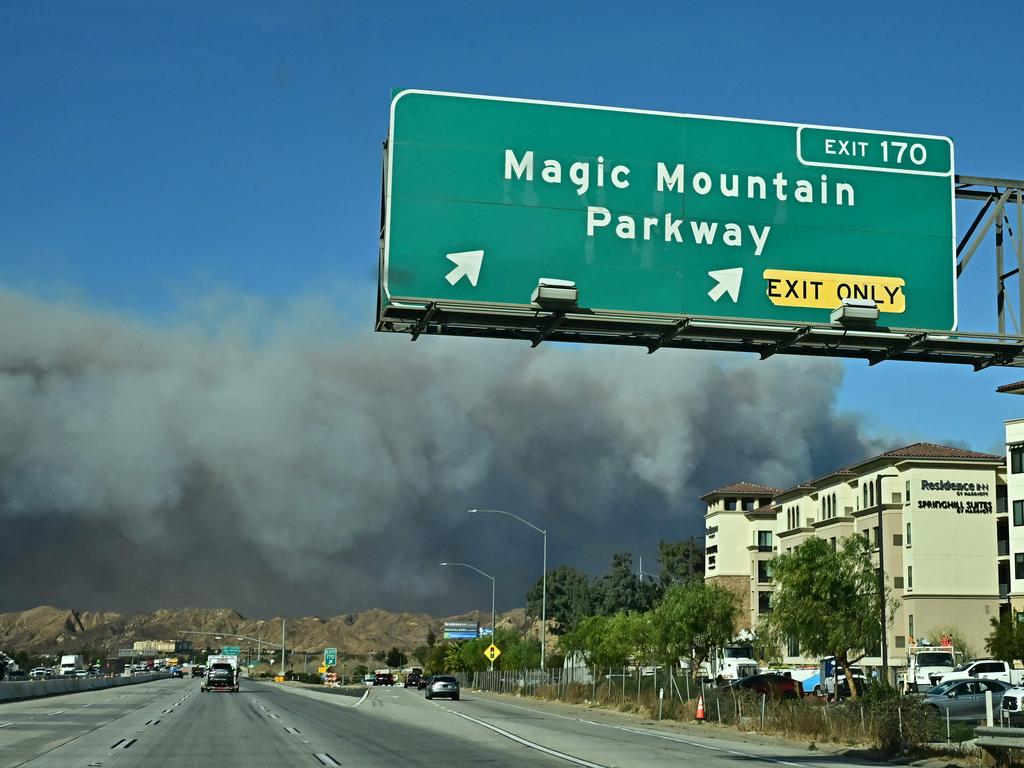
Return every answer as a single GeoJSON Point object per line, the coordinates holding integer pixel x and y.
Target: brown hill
{"type": "Point", "coordinates": [55, 630]}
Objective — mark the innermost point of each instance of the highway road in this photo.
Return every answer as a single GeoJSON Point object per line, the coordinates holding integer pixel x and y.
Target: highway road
{"type": "Point", "coordinates": [171, 724]}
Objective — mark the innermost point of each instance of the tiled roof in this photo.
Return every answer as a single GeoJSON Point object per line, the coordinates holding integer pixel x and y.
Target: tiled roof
{"type": "Point", "coordinates": [933, 451]}
{"type": "Point", "coordinates": [1016, 388]}
{"type": "Point", "coordinates": [743, 489]}
{"type": "Point", "coordinates": [765, 509]}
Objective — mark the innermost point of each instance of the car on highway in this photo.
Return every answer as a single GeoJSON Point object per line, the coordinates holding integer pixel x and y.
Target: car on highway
{"type": "Point", "coordinates": [383, 678]}
{"type": "Point", "coordinates": [965, 699]}
{"type": "Point", "coordinates": [412, 680]}
{"type": "Point", "coordinates": [443, 686]}
{"type": "Point", "coordinates": [16, 676]}
{"type": "Point", "coordinates": [81, 672]}
{"type": "Point", "coordinates": [177, 672]}
{"type": "Point", "coordinates": [423, 682]}
{"type": "Point", "coordinates": [198, 671]}
{"type": "Point", "coordinates": [40, 673]}
{"type": "Point", "coordinates": [220, 677]}
{"type": "Point", "coordinates": [771, 684]}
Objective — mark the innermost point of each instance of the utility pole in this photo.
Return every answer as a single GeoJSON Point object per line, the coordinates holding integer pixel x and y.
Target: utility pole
{"type": "Point", "coordinates": [282, 647]}
{"type": "Point", "coordinates": [881, 579]}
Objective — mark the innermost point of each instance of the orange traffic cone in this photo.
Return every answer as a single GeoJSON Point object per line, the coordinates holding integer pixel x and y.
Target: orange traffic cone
{"type": "Point", "coordinates": [701, 717]}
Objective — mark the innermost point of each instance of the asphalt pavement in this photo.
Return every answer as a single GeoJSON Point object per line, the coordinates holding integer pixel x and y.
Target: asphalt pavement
{"type": "Point", "coordinates": [170, 723]}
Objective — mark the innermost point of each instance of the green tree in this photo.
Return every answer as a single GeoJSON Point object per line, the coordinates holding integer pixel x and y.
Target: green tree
{"type": "Point", "coordinates": [570, 598]}
{"type": "Point", "coordinates": [827, 600]}
{"type": "Point", "coordinates": [692, 620]}
{"type": "Point", "coordinates": [431, 637]}
{"type": "Point", "coordinates": [452, 661]}
{"type": "Point", "coordinates": [621, 589]}
{"type": "Point", "coordinates": [1005, 640]}
{"type": "Point", "coordinates": [395, 658]}
{"type": "Point", "coordinates": [681, 561]}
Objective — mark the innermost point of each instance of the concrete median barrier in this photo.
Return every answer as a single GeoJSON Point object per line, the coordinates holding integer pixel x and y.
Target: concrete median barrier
{"type": "Point", "coordinates": [33, 689]}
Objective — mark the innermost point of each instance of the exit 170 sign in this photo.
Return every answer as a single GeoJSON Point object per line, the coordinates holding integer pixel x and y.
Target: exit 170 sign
{"type": "Point", "coordinates": [651, 212]}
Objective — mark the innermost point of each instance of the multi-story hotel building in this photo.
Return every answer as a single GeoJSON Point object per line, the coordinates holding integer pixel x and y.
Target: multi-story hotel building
{"type": "Point", "coordinates": [939, 515]}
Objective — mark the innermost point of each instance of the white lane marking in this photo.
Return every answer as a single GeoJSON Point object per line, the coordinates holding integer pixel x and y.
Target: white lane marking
{"type": "Point", "coordinates": [362, 698]}
{"type": "Point", "coordinates": [123, 744]}
{"type": "Point", "coordinates": [276, 717]}
{"type": "Point", "coordinates": [644, 732]}
{"type": "Point", "coordinates": [325, 759]}
{"type": "Point", "coordinates": [87, 705]}
{"type": "Point", "coordinates": [290, 729]}
{"type": "Point", "coordinates": [525, 743]}
{"type": "Point", "coordinates": [58, 712]}
{"type": "Point", "coordinates": [6, 725]}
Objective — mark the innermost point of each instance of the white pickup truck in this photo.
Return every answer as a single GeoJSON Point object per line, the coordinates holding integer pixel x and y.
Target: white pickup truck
{"type": "Point", "coordinates": [985, 669]}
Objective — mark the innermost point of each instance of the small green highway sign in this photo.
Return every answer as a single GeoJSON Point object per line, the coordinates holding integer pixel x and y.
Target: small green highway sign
{"type": "Point", "coordinates": [231, 650]}
{"type": "Point", "coordinates": [330, 657]}
{"type": "Point", "coordinates": [651, 212]}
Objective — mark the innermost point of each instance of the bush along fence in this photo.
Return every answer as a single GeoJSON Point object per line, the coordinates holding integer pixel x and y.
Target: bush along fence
{"type": "Point", "coordinates": [881, 717]}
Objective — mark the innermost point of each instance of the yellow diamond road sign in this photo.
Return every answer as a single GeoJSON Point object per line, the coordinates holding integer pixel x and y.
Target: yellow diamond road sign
{"type": "Point", "coordinates": [492, 652]}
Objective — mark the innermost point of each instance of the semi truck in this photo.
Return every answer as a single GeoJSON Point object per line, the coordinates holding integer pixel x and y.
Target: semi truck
{"type": "Point", "coordinates": [69, 665]}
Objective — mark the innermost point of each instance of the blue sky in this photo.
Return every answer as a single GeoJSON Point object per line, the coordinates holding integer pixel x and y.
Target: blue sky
{"type": "Point", "coordinates": [154, 153]}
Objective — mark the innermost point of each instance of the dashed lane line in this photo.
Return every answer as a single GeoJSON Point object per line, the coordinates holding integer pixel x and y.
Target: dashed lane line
{"type": "Point", "coordinates": [325, 759]}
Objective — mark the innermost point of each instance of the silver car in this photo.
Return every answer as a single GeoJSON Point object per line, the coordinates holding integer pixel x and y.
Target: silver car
{"type": "Point", "coordinates": [443, 686]}
{"type": "Point", "coordinates": [965, 699]}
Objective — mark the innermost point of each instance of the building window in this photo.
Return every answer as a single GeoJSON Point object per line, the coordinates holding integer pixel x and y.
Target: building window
{"type": "Point", "coordinates": [910, 577]}
{"type": "Point", "coordinates": [897, 540]}
{"type": "Point", "coordinates": [730, 505]}
{"type": "Point", "coordinates": [910, 626]}
{"type": "Point", "coordinates": [764, 572]}
{"type": "Point", "coordinates": [748, 505]}
{"type": "Point", "coordinates": [793, 646]}
{"type": "Point", "coordinates": [901, 641]}
{"type": "Point", "coordinates": [1018, 513]}
{"type": "Point", "coordinates": [908, 491]}
{"type": "Point", "coordinates": [764, 541]}
{"type": "Point", "coordinates": [876, 535]}
{"type": "Point", "coordinates": [764, 602]}
{"type": "Point", "coordinates": [866, 495]}
{"type": "Point", "coordinates": [1017, 460]}
{"type": "Point", "coordinates": [832, 541]}
{"type": "Point", "coordinates": [908, 534]}
{"type": "Point", "coordinates": [1018, 565]}
{"type": "Point", "coordinates": [871, 494]}
{"type": "Point", "coordinates": [711, 561]}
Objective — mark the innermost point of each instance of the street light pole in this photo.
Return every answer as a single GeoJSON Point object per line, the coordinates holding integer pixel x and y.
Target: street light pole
{"type": "Point", "coordinates": [473, 567]}
{"type": "Point", "coordinates": [544, 578]}
{"type": "Point", "coordinates": [881, 578]}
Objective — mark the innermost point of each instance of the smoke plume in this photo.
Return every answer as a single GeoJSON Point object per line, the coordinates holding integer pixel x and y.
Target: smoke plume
{"type": "Point", "coordinates": [279, 461]}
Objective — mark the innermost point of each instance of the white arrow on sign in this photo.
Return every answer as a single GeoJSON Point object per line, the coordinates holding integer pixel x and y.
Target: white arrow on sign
{"type": "Point", "coordinates": [728, 282]}
{"type": "Point", "coordinates": [466, 263]}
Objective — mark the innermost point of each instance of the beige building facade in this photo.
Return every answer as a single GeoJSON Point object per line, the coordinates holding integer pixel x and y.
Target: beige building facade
{"type": "Point", "coordinates": [936, 515]}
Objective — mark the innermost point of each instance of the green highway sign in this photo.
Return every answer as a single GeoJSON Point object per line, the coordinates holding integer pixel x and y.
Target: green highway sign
{"type": "Point", "coordinates": [330, 657]}
{"type": "Point", "coordinates": [230, 650]}
{"type": "Point", "coordinates": [657, 213]}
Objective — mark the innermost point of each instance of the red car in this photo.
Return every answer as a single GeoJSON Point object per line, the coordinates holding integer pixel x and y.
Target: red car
{"type": "Point", "coordinates": [383, 679]}
{"type": "Point", "coordinates": [771, 684]}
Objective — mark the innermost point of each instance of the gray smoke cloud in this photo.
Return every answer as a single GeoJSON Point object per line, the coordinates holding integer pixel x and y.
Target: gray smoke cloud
{"type": "Point", "coordinates": [277, 460]}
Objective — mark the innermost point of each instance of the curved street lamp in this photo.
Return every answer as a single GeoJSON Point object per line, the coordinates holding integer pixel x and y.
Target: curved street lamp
{"type": "Point", "coordinates": [474, 568]}
{"type": "Point", "coordinates": [544, 577]}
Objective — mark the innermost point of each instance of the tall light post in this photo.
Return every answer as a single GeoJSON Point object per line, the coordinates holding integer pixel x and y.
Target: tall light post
{"type": "Point", "coordinates": [544, 577]}
{"type": "Point", "coordinates": [473, 567]}
{"type": "Point", "coordinates": [881, 578]}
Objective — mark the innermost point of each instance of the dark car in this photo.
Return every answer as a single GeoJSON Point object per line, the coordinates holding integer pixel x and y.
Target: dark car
{"type": "Point", "coordinates": [221, 677]}
{"type": "Point", "coordinates": [443, 685]}
{"type": "Point", "coordinates": [198, 671]}
{"type": "Point", "coordinates": [383, 678]}
{"type": "Point", "coordinates": [176, 672]}
{"type": "Point", "coordinates": [412, 680]}
{"type": "Point", "coordinates": [423, 682]}
{"type": "Point", "coordinates": [770, 684]}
